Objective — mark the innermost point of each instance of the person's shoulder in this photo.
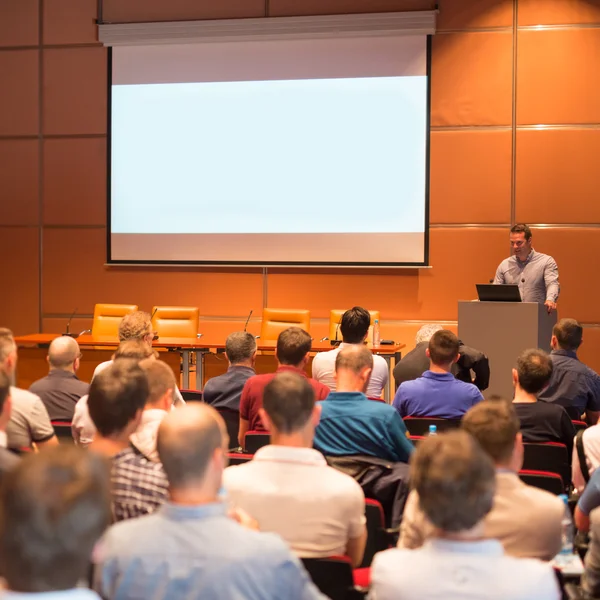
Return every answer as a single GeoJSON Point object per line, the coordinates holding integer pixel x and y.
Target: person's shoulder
{"type": "Point", "coordinates": [22, 397]}
{"type": "Point", "coordinates": [532, 572]}
{"type": "Point", "coordinates": [236, 476]}
{"type": "Point", "coordinates": [541, 500]}
{"type": "Point", "coordinates": [385, 564]}
{"type": "Point", "coordinates": [38, 384]}
{"type": "Point", "coordinates": [8, 459]}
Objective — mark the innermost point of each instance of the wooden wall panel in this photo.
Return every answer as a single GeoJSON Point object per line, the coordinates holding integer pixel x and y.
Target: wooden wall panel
{"type": "Point", "coordinates": [59, 324]}
{"type": "Point", "coordinates": [70, 21]}
{"type": "Point", "coordinates": [288, 8]}
{"type": "Point", "coordinates": [470, 176]}
{"type": "Point", "coordinates": [471, 79]}
{"type": "Point", "coordinates": [19, 182]}
{"type": "Point", "coordinates": [19, 23]}
{"type": "Point", "coordinates": [558, 12]}
{"type": "Point", "coordinates": [557, 176]}
{"type": "Point", "coordinates": [589, 351]}
{"type": "Point", "coordinates": [467, 14]}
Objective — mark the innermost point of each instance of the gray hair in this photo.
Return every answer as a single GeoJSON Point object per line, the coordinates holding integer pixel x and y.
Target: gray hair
{"type": "Point", "coordinates": [424, 334]}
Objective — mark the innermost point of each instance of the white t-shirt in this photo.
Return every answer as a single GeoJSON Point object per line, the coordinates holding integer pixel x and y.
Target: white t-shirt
{"type": "Point", "coordinates": [591, 448]}
{"type": "Point", "coordinates": [293, 492]}
{"type": "Point", "coordinates": [323, 370]}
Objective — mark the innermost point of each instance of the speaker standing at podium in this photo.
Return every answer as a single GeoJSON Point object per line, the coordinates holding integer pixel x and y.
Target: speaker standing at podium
{"type": "Point", "coordinates": [535, 273]}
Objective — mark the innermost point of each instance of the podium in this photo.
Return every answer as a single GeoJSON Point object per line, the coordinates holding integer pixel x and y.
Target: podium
{"type": "Point", "coordinates": [502, 330]}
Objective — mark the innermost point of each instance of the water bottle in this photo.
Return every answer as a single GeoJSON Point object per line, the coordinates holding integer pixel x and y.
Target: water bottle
{"type": "Point", "coordinates": [433, 430]}
{"type": "Point", "coordinates": [376, 333]}
{"type": "Point", "coordinates": [566, 549]}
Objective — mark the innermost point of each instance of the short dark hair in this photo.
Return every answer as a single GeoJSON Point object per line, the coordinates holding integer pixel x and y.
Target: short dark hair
{"type": "Point", "coordinates": [521, 228]}
{"type": "Point", "coordinates": [293, 344]}
{"type": "Point", "coordinates": [116, 394]}
{"type": "Point", "coordinates": [4, 388]}
{"type": "Point", "coordinates": [569, 334]}
{"type": "Point", "coordinates": [455, 480]}
{"type": "Point", "coordinates": [354, 359]}
{"type": "Point", "coordinates": [53, 508]}
{"type": "Point", "coordinates": [289, 400]}
{"type": "Point", "coordinates": [355, 325]}
{"type": "Point", "coordinates": [534, 369]}
{"type": "Point", "coordinates": [443, 347]}
{"type": "Point", "coordinates": [240, 346]}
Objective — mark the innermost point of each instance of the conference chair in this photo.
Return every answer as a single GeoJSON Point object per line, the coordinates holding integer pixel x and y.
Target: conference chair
{"type": "Point", "coordinates": [548, 456]}
{"type": "Point", "coordinates": [333, 576]}
{"type": "Point", "coordinates": [335, 317]}
{"type": "Point", "coordinates": [175, 321]}
{"type": "Point", "coordinates": [232, 422]}
{"type": "Point", "coordinates": [255, 440]}
{"type": "Point", "coordinates": [377, 536]}
{"type": "Point", "coordinates": [192, 396]}
{"type": "Point", "coordinates": [579, 424]}
{"type": "Point", "coordinates": [107, 318]}
{"type": "Point", "coordinates": [62, 430]}
{"type": "Point", "coordinates": [420, 425]}
{"type": "Point", "coordinates": [545, 480]}
{"type": "Point", "coordinates": [238, 459]}
{"type": "Point", "coordinates": [275, 320]}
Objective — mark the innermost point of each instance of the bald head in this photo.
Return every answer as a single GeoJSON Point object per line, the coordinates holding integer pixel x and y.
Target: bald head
{"type": "Point", "coordinates": [187, 440]}
{"type": "Point", "coordinates": [353, 367]}
{"type": "Point", "coordinates": [63, 353]}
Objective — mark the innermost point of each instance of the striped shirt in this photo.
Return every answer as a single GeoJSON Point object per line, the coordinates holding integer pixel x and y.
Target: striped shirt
{"type": "Point", "coordinates": [139, 486]}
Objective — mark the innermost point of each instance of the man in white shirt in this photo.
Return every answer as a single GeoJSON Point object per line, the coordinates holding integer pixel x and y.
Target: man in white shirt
{"type": "Point", "coordinates": [591, 449]}
{"type": "Point", "coordinates": [455, 480]}
{"type": "Point", "coordinates": [288, 486]}
{"type": "Point", "coordinates": [354, 326]}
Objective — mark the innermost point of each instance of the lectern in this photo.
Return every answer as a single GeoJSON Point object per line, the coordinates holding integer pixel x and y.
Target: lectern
{"type": "Point", "coordinates": [502, 330]}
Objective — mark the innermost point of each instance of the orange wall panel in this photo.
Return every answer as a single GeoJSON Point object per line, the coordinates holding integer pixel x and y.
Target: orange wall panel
{"type": "Point", "coordinates": [19, 22]}
{"type": "Point", "coordinates": [558, 81]}
{"type": "Point", "coordinates": [467, 14]}
{"type": "Point", "coordinates": [75, 181]}
{"type": "Point", "coordinates": [471, 81]}
{"type": "Point", "coordinates": [589, 351]}
{"type": "Point", "coordinates": [70, 21]}
{"type": "Point", "coordinates": [558, 12]}
{"type": "Point", "coordinates": [470, 176]}
{"type": "Point", "coordinates": [557, 176]}
{"type": "Point", "coordinates": [59, 324]}
{"type": "Point", "coordinates": [19, 182]}
{"type": "Point", "coordinates": [288, 8]}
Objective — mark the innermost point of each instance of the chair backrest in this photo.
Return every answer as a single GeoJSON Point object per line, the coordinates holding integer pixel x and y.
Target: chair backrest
{"type": "Point", "coordinates": [175, 321]}
{"type": "Point", "coordinates": [420, 425]}
{"type": "Point", "coordinates": [335, 317]}
{"type": "Point", "coordinates": [579, 424]}
{"type": "Point", "coordinates": [62, 430]}
{"type": "Point", "coordinates": [415, 439]}
{"type": "Point", "coordinates": [333, 576]}
{"type": "Point", "coordinates": [377, 539]}
{"type": "Point", "coordinates": [107, 318]}
{"type": "Point", "coordinates": [548, 456]}
{"type": "Point", "coordinates": [275, 320]}
{"type": "Point", "coordinates": [551, 482]}
{"type": "Point", "coordinates": [191, 395]}
{"type": "Point", "coordinates": [238, 459]}
{"type": "Point", "coordinates": [256, 440]}
{"type": "Point", "coordinates": [232, 422]}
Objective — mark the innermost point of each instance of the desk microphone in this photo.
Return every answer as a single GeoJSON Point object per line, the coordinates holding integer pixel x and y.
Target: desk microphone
{"type": "Point", "coordinates": [155, 337]}
{"type": "Point", "coordinates": [68, 331]}
{"type": "Point", "coordinates": [247, 320]}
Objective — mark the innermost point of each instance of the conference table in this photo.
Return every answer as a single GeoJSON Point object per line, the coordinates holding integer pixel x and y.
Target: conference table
{"type": "Point", "coordinates": [175, 351]}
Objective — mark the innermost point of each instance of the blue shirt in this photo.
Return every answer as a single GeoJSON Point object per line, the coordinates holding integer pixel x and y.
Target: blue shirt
{"type": "Point", "coordinates": [197, 552]}
{"type": "Point", "coordinates": [352, 424]}
{"type": "Point", "coordinates": [590, 499]}
{"type": "Point", "coordinates": [436, 395]}
{"type": "Point", "coordinates": [225, 391]}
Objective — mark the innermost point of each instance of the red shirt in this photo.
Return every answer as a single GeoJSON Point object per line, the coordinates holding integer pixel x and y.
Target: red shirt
{"type": "Point", "coordinates": [252, 394]}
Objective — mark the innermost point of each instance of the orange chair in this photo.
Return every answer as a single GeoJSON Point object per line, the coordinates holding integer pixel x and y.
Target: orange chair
{"type": "Point", "coordinates": [335, 316]}
{"type": "Point", "coordinates": [175, 321]}
{"type": "Point", "coordinates": [107, 318]}
{"type": "Point", "coordinates": [275, 320]}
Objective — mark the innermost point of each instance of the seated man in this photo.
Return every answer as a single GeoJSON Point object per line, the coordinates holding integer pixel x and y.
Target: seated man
{"type": "Point", "coordinates": [540, 421]}
{"type": "Point", "coordinates": [416, 362]}
{"type": "Point", "coordinates": [272, 488]}
{"type": "Point", "coordinates": [8, 460]}
{"type": "Point", "coordinates": [354, 327]}
{"type": "Point", "coordinates": [455, 482]}
{"type": "Point", "coordinates": [29, 422]}
{"type": "Point", "coordinates": [590, 442]}
{"type": "Point", "coordinates": [54, 508]}
{"type": "Point", "coordinates": [225, 391]}
{"type": "Point", "coordinates": [293, 346]}
{"type": "Point", "coordinates": [351, 423]}
{"type": "Point", "coordinates": [190, 548]}
{"type": "Point", "coordinates": [117, 398]}
{"type": "Point", "coordinates": [525, 519]}
{"type": "Point", "coordinates": [572, 384]}
{"type": "Point", "coordinates": [590, 581]}
{"type": "Point", "coordinates": [61, 389]}
{"type": "Point", "coordinates": [437, 393]}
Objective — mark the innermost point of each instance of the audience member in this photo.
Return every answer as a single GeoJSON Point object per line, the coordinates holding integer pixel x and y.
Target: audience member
{"type": "Point", "coordinates": [225, 391]}
{"type": "Point", "coordinates": [293, 346]}
{"type": "Point", "coordinates": [53, 508]}
{"type": "Point", "coordinates": [590, 445]}
{"type": "Point", "coordinates": [590, 580]}
{"type": "Point", "coordinates": [61, 389]}
{"type": "Point", "coordinates": [455, 483]}
{"type": "Point", "coordinates": [354, 327]}
{"type": "Point", "coordinates": [351, 423]}
{"type": "Point", "coordinates": [29, 422]}
{"type": "Point", "coordinates": [589, 500]}
{"type": "Point", "coordinates": [540, 421]}
{"type": "Point", "coordinates": [525, 519]}
{"type": "Point", "coordinates": [572, 385]}
{"type": "Point", "coordinates": [8, 460]}
{"type": "Point", "coordinates": [116, 401]}
{"type": "Point", "coordinates": [142, 558]}
{"type": "Point", "coordinates": [273, 487]}
{"type": "Point", "coordinates": [437, 393]}
{"type": "Point", "coordinates": [470, 362]}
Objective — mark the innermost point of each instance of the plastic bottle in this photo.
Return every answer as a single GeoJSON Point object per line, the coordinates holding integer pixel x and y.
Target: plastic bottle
{"type": "Point", "coordinates": [566, 550]}
{"type": "Point", "coordinates": [433, 430]}
{"type": "Point", "coordinates": [376, 333]}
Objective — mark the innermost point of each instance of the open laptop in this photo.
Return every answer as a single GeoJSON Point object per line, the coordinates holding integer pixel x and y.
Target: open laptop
{"type": "Point", "coordinates": [488, 292]}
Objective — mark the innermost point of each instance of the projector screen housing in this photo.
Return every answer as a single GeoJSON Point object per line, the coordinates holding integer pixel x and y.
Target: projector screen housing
{"type": "Point", "coordinates": [283, 153]}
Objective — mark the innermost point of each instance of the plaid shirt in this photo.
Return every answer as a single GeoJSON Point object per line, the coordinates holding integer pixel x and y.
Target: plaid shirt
{"type": "Point", "coordinates": [139, 486]}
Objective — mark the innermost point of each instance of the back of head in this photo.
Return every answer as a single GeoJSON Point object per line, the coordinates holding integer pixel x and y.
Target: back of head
{"type": "Point", "coordinates": [569, 334]}
{"type": "Point", "coordinates": [289, 400]}
{"type": "Point", "coordinates": [53, 508]}
{"type": "Point", "coordinates": [187, 440]}
{"type": "Point", "coordinates": [7, 343]}
{"type": "Point", "coordinates": [134, 349]}
{"type": "Point", "coordinates": [495, 425]}
{"type": "Point", "coordinates": [455, 480]}
{"type": "Point", "coordinates": [443, 347]}
{"type": "Point", "coordinates": [116, 395]}
{"type": "Point", "coordinates": [4, 388]}
{"type": "Point", "coordinates": [63, 352]}
{"type": "Point", "coordinates": [355, 325]}
{"type": "Point", "coordinates": [135, 326]}
{"type": "Point", "coordinates": [534, 369]}
{"type": "Point", "coordinates": [293, 344]}
{"type": "Point", "coordinates": [240, 347]}
{"type": "Point", "coordinates": [424, 334]}
{"type": "Point", "coordinates": [354, 359]}
{"type": "Point", "coordinates": [161, 379]}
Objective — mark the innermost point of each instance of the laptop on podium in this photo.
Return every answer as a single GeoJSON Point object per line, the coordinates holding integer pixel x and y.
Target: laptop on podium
{"type": "Point", "coordinates": [489, 292]}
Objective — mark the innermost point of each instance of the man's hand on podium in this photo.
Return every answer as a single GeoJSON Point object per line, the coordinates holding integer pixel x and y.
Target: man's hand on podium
{"type": "Point", "coordinates": [551, 306]}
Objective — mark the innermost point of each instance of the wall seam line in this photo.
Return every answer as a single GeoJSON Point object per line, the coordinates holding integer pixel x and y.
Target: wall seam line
{"type": "Point", "coordinates": [40, 161]}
